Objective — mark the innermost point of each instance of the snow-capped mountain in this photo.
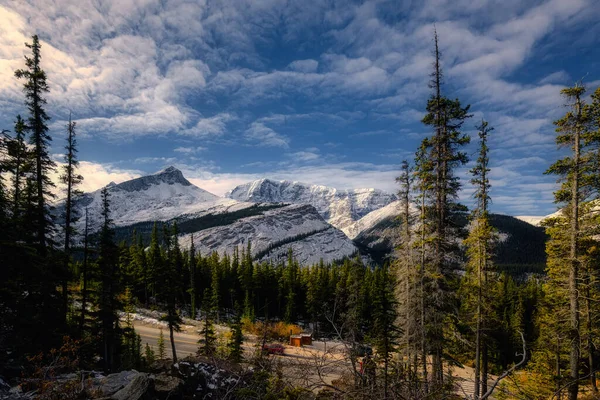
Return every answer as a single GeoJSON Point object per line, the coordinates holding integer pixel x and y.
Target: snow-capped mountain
{"type": "Point", "coordinates": [217, 223]}
{"type": "Point", "coordinates": [158, 197]}
{"type": "Point", "coordinates": [341, 208]}
{"type": "Point", "coordinates": [537, 220]}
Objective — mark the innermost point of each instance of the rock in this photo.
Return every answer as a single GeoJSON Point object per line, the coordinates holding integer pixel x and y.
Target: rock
{"type": "Point", "coordinates": [140, 388]}
{"type": "Point", "coordinates": [115, 382]}
{"type": "Point", "coordinates": [15, 393]}
{"type": "Point", "coordinates": [168, 387]}
{"type": "Point", "coordinates": [4, 387]}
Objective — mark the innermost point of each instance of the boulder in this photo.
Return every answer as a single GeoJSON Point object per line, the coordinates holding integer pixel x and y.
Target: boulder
{"type": "Point", "coordinates": [168, 387]}
{"type": "Point", "coordinates": [140, 388]}
{"type": "Point", "coordinates": [112, 383]}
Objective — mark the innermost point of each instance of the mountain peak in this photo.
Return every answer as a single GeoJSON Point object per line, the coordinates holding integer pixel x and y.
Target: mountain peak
{"type": "Point", "coordinates": [169, 175]}
{"type": "Point", "coordinates": [169, 170]}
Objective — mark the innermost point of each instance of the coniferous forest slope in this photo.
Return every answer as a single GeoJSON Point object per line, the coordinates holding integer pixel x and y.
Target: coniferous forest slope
{"type": "Point", "coordinates": [411, 286]}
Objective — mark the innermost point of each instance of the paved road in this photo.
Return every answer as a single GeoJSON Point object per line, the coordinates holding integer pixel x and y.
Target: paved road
{"type": "Point", "coordinates": [185, 343]}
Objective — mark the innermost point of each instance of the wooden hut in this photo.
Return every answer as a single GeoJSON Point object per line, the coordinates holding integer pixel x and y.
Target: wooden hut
{"type": "Point", "coordinates": [306, 339]}
{"type": "Point", "coordinates": [296, 340]}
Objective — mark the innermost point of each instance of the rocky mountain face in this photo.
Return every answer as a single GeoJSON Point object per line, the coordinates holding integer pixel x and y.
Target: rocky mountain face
{"type": "Point", "coordinates": [217, 223]}
{"type": "Point", "coordinates": [341, 208]}
{"type": "Point", "coordinates": [273, 232]}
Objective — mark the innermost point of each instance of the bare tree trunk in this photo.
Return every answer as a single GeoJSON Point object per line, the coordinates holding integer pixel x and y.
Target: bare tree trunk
{"type": "Point", "coordinates": [478, 331]}
{"type": "Point", "coordinates": [574, 269]}
{"type": "Point", "coordinates": [422, 279]}
{"type": "Point", "coordinates": [590, 342]}
{"type": "Point", "coordinates": [484, 369]}
{"type": "Point", "coordinates": [172, 343]}
{"type": "Point", "coordinates": [558, 376]}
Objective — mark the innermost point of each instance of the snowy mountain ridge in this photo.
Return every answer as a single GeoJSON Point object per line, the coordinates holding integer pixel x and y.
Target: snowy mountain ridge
{"type": "Point", "coordinates": [166, 196]}
{"type": "Point", "coordinates": [341, 208]}
{"type": "Point", "coordinates": [157, 197]}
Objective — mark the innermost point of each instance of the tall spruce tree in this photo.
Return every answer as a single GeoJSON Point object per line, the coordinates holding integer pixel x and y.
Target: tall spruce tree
{"type": "Point", "coordinates": [109, 278]}
{"type": "Point", "coordinates": [445, 117]}
{"type": "Point", "coordinates": [407, 269]}
{"type": "Point", "coordinates": [573, 130]}
{"type": "Point", "coordinates": [385, 316]}
{"type": "Point", "coordinates": [71, 179]}
{"type": "Point", "coordinates": [170, 284]}
{"type": "Point", "coordinates": [84, 276]}
{"type": "Point", "coordinates": [19, 165]}
{"type": "Point", "coordinates": [35, 87]}
{"type": "Point", "coordinates": [479, 252]}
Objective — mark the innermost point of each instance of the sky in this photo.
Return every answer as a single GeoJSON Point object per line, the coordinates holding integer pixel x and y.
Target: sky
{"type": "Point", "coordinates": [324, 92]}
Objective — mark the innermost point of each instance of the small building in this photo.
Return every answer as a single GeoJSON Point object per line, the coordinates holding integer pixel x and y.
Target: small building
{"type": "Point", "coordinates": [306, 339]}
{"type": "Point", "coordinates": [296, 340]}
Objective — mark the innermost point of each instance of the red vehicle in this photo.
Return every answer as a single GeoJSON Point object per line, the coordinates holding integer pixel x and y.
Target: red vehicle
{"type": "Point", "coordinates": [274, 348]}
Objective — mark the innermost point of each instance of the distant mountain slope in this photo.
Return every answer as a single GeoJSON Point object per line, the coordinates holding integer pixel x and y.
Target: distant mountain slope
{"type": "Point", "coordinates": [341, 208]}
{"type": "Point", "coordinates": [218, 224]}
{"type": "Point", "coordinates": [522, 248]}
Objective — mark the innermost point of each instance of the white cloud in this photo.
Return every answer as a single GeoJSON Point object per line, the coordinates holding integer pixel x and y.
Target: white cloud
{"type": "Point", "coordinates": [96, 175]}
{"type": "Point", "coordinates": [304, 65]}
{"type": "Point", "coordinates": [210, 127]}
{"type": "Point", "coordinates": [189, 150]}
{"type": "Point", "coordinates": [262, 135]}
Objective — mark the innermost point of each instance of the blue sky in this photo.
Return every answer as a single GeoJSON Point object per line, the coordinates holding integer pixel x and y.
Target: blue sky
{"type": "Point", "coordinates": [323, 92]}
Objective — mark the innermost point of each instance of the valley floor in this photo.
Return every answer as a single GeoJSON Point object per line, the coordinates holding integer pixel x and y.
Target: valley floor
{"type": "Point", "coordinates": [314, 367]}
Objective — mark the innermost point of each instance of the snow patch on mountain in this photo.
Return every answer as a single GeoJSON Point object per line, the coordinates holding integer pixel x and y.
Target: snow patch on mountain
{"type": "Point", "coordinates": [369, 221]}
{"type": "Point", "coordinates": [276, 226]}
{"type": "Point", "coordinates": [537, 220]}
{"type": "Point", "coordinates": [329, 245]}
{"type": "Point", "coordinates": [338, 207]}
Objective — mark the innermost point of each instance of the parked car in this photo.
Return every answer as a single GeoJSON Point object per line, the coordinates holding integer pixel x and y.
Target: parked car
{"type": "Point", "coordinates": [273, 348]}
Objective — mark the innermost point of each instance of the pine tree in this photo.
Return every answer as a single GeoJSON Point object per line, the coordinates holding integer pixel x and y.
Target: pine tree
{"type": "Point", "coordinates": [425, 178]}
{"type": "Point", "coordinates": [479, 251]}
{"type": "Point", "coordinates": [34, 88]}
{"type": "Point", "coordinates": [149, 355]}
{"type": "Point", "coordinates": [155, 261]}
{"type": "Point", "coordinates": [109, 304]}
{"type": "Point", "coordinates": [169, 289]}
{"type": "Point", "coordinates": [446, 117]}
{"type": "Point", "coordinates": [84, 273]}
{"type": "Point", "coordinates": [236, 351]}
{"type": "Point", "coordinates": [19, 165]}
{"type": "Point", "coordinates": [162, 354]}
{"type": "Point", "coordinates": [572, 131]}
{"type": "Point", "coordinates": [192, 267]}
{"type": "Point", "coordinates": [71, 179]}
{"type": "Point", "coordinates": [208, 339]}
{"type": "Point", "coordinates": [407, 269]}
{"type": "Point", "coordinates": [384, 314]}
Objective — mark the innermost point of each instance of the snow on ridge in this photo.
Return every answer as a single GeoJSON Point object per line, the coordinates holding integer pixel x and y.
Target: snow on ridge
{"type": "Point", "coordinates": [537, 220]}
{"type": "Point", "coordinates": [531, 219]}
{"type": "Point", "coordinates": [340, 207]}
